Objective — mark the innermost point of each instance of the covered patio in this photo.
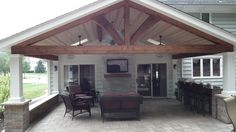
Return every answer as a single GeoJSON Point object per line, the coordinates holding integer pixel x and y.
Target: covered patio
{"type": "Point", "coordinates": [143, 32]}
{"type": "Point", "coordinates": [157, 115]}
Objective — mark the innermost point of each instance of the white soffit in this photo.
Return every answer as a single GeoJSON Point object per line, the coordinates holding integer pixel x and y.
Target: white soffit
{"type": "Point", "coordinates": [187, 19]}
{"type": "Point", "coordinates": [6, 43]}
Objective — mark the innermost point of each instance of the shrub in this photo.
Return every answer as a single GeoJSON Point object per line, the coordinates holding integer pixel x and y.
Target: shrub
{"type": "Point", "coordinates": [4, 90]}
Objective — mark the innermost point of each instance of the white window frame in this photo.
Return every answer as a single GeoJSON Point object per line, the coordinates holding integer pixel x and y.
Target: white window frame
{"type": "Point", "coordinates": [210, 16]}
{"type": "Point", "coordinates": [211, 66]}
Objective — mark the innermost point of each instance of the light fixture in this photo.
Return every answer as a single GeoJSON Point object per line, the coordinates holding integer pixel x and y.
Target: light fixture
{"type": "Point", "coordinates": [174, 66]}
{"type": "Point", "coordinates": [161, 40]}
{"type": "Point", "coordinates": [55, 68]}
{"type": "Point", "coordinates": [152, 41]}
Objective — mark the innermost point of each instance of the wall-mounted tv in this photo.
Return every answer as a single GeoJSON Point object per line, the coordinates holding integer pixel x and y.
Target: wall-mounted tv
{"type": "Point", "coordinates": [117, 65]}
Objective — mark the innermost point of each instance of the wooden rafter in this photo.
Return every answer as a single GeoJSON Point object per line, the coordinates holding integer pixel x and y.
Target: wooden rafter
{"type": "Point", "coordinates": [126, 23]}
{"type": "Point", "coordinates": [48, 57]}
{"type": "Point", "coordinates": [180, 25]}
{"type": "Point", "coordinates": [99, 33]}
{"type": "Point", "coordinates": [147, 24]}
{"type": "Point", "coordinates": [102, 21]}
{"type": "Point", "coordinates": [65, 27]}
{"type": "Point", "coordinates": [120, 49]}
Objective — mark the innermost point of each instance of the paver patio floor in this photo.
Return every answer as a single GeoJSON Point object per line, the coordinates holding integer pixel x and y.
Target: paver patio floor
{"type": "Point", "coordinates": [157, 115]}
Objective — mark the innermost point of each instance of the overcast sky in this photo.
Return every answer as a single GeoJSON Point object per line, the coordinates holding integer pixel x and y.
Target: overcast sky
{"type": "Point", "coordinates": [18, 15]}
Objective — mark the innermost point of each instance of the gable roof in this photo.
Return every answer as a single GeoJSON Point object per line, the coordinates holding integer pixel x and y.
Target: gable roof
{"type": "Point", "coordinates": [153, 5]}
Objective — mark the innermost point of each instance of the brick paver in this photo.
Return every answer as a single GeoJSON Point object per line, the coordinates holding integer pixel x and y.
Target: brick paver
{"type": "Point", "coordinates": [157, 115]}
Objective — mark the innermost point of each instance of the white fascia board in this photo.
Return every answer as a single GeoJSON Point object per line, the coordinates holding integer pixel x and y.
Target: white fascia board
{"type": "Point", "coordinates": [188, 20]}
{"type": "Point", "coordinates": [6, 43]}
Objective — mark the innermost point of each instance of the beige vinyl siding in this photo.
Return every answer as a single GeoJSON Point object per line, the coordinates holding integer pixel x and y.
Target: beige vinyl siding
{"type": "Point", "coordinates": [187, 68]}
{"type": "Point", "coordinates": [227, 21]}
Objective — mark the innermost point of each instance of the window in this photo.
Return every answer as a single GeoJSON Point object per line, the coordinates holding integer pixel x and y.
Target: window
{"type": "Point", "coordinates": [206, 17]}
{"type": "Point", "coordinates": [207, 67]}
{"type": "Point", "coordinates": [196, 68]}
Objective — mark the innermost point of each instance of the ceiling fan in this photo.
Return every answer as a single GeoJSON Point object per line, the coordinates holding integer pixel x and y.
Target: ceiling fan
{"type": "Point", "coordinates": [155, 42]}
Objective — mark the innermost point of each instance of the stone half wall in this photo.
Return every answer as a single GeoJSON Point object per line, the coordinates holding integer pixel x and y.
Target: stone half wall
{"type": "Point", "coordinates": [219, 108]}
{"type": "Point", "coordinates": [118, 84]}
{"type": "Point", "coordinates": [41, 108]}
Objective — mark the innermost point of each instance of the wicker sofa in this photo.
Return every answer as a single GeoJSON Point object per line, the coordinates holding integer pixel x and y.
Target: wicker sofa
{"type": "Point", "coordinates": [120, 103]}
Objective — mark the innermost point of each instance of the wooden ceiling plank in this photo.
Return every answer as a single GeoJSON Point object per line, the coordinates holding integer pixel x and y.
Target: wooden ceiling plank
{"type": "Point", "coordinates": [70, 25]}
{"type": "Point", "coordinates": [181, 25]}
{"type": "Point", "coordinates": [120, 49]}
{"type": "Point", "coordinates": [147, 24]}
{"type": "Point", "coordinates": [102, 21]}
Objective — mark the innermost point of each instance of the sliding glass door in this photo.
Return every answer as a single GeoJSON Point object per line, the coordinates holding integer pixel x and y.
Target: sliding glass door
{"type": "Point", "coordinates": [151, 80]}
{"type": "Point", "coordinates": [76, 74]}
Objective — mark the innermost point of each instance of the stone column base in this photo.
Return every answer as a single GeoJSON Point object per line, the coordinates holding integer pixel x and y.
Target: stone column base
{"type": "Point", "coordinates": [16, 116]}
{"type": "Point", "coordinates": [220, 109]}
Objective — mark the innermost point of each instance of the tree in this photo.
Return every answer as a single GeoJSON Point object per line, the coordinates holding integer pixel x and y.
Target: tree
{"type": "Point", "coordinates": [4, 63]}
{"type": "Point", "coordinates": [26, 66]}
{"type": "Point", "coordinates": [40, 68]}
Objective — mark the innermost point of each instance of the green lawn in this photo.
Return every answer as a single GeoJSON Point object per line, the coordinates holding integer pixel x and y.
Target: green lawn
{"type": "Point", "coordinates": [34, 75]}
{"type": "Point", "coordinates": [33, 90]}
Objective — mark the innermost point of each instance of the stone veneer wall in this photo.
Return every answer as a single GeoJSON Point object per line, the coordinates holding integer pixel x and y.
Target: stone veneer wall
{"type": "Point", "coordinates": [42, 107]}
{"type": "Point", "coordinates": [118, 84]}
{"type": "Point", "coordinates": [219, 110]}
{"type": "Point", "coordinates": [16, 117]}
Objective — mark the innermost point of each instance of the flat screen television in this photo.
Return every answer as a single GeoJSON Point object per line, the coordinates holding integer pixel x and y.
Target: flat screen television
{"type": "Point", "coordinates": [117, 65]}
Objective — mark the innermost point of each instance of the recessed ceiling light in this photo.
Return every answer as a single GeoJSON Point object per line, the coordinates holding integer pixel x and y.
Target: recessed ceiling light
{"type": "Point", "coordinates": [220, 1]}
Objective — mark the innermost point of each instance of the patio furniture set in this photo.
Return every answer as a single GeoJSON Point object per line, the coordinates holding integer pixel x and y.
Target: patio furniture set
{"type": "Point", "coordinates": [78, 101]}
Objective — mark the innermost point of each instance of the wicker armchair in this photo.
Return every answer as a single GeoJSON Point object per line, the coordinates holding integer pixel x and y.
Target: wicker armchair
{"type": "Point", "coordinates": [72, 106]}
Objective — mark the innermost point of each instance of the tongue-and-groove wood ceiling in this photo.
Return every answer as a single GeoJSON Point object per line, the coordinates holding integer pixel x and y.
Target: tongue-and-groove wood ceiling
{"type": "Point", "coordinates": [170, 34]}
{"type": "Point", "coordinates": [128, 26]}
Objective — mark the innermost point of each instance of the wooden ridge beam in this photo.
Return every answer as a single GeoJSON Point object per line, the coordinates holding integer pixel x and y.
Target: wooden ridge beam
{"type": "Point", "coordinates": [103, 22]}
{"type": "Point", "coordinates": [70, 25]}
{"type": "Point", "coordinates": [180, 25]}
{"type": "Point", "coordinates": [120, 49]}
{"type": "Point", "coordinates": [48, 57]}
{"type": "Point", "coordinates": [147, 24]}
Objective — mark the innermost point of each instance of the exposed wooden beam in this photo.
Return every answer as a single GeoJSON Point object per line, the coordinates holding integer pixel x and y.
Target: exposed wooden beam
{"type": "Point", "coordinates": [120, 49]}
{"type": "Point", "coordinates": [126, 23]}
{"type": "Point", "coordinates": [180, 25]}
{"type": "Point", "coordinates": [48, 57]}
{"type": "Point", "coordinates": [180, 56]}
{"type": "Point", "coordinates": [70, 25]}
{"type": "Point", "coordinates": [99, 33]}
{"type": "Point", "coordinates": [102, 21]}
{"type": "Point", "coordinates": [147, 24]}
